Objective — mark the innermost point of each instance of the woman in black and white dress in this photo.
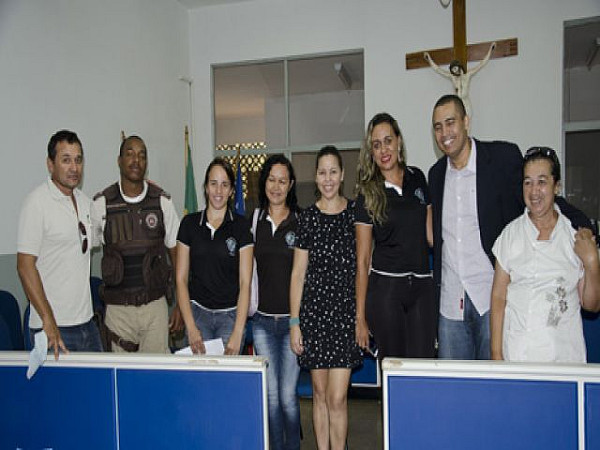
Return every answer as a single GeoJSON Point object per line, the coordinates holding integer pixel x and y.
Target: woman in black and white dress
{"type": "Point", "coordinates": [323, 310]}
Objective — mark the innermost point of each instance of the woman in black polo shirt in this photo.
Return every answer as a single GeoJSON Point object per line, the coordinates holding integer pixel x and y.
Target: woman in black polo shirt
{"type": "Point", "coordinates": [275, 237]}
{"type": "Point", "coordinates": [214, 266]}
{"type": "Point", "coordinates": [394, 211]}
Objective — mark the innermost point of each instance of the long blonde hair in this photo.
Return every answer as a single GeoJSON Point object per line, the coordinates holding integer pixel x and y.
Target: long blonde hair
{"type": "Point", "coordinates": [370, 180]}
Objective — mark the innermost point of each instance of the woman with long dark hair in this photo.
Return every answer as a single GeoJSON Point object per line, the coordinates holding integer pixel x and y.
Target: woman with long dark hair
{"type": "Point", "coordinates": [274, 240]}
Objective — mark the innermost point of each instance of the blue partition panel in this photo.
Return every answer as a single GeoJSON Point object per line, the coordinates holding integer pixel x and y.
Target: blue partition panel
{"type": "Point", "coordinates": [591, 332]}
{"type": "Point", "coordinates": [190, 409]}
{"type": "Point", "coordinates": [366, 373]}
{"type": "Point", "coordinates": [592, 415]}
{"type": "Point", "coordinates": [460, 413]}
{"type": "Point", "coordinates": [59, 408]}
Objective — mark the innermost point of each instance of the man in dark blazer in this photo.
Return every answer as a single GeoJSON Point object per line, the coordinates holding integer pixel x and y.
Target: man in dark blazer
{"type": "Point", "coordinates": [476, 190]}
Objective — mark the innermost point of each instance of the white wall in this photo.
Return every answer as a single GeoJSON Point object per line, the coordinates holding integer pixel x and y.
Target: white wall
{"type": "Point", "coordinates": [517, 98]}
{"type": "Point", "coordinates": [96, 67]}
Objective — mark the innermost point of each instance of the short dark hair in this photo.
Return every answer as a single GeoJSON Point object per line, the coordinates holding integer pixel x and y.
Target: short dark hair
{"type": "Point", "coordinates": [547, 154]}
{"type": "Point", "coordinates": [218, 161]}
{"type": "Point", "coordinates": [452, 98]}
{"type": "Point", "coordinates": [127, 139]}
{"type": "Point", "coordinates": [60, 136]}
{"type": "Point", "coordinates": [291, 200]}
{"type": "Point", "coordinates": [329, 150]}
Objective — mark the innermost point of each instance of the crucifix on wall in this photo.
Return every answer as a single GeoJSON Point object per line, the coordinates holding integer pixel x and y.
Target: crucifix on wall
{"type": "Point", "coordinates": [458, 55]}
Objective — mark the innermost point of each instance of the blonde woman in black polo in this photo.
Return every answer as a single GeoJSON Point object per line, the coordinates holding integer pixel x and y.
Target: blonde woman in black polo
{"type": "Point", "coordinates": [394, 287]}
{"type": "Point", "coordinates": [214, 266]}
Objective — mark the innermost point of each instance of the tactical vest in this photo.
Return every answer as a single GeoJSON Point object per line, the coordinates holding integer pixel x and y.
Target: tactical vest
{"type": "Point", "coordinates": [135, 266]}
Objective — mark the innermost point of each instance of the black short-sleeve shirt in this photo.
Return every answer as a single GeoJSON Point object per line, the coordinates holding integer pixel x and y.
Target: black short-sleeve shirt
{"type": "Point", "coordinates": [214, 261]}
{"type": "Point", "coordinates": [401, 242]}
{"type": "Point", "coordinates": [274, 254]}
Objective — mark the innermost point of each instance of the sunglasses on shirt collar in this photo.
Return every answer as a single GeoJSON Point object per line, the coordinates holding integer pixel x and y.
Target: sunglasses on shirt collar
{"type": "Point", "coordinates": [83, 237]}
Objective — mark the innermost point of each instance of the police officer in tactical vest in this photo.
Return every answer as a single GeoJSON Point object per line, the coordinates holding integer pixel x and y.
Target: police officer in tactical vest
{"type": "Point", "coordinates": [137, 224]}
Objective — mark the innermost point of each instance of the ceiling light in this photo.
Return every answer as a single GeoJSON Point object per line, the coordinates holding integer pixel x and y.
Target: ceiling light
{"type": "Point", "coordinates": [343, 75]}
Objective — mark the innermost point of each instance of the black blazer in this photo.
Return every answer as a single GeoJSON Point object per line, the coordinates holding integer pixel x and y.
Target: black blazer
{"type": "Point", "coordinates": [499, 184]}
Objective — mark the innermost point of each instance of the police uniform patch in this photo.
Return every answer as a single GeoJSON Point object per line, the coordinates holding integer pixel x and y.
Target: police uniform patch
{"type": "Point", "coordinates": [231, 244]}
{"type": "Point", "coordinates": [419, 194]}
{"type": "Point", "coordinates": [151, 220]}
{"type": "Point", "coordinates": [290, 239]}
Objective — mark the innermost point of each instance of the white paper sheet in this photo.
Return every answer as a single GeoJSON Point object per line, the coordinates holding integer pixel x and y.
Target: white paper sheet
{"type": "Point", "coordinates": [39, 354]}
{"type": "Point", "coordinates": [213, 347]}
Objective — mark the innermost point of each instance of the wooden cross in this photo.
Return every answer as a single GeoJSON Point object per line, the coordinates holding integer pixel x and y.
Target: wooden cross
{"type": "Point", "coordinates": [462, 52]}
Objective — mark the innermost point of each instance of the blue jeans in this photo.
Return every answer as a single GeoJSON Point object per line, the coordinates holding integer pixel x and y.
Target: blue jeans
{"type": "Point", "coordinates": [272, 339]}
{"type": "Point", "coordinates": [77, 338]}
{"type": "Point", "coordinates": [215, 324]}
{"type": "Point", "coordinates": [465, 339]}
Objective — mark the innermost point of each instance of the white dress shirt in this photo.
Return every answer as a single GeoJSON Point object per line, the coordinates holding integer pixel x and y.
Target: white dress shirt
{"type": "Point", "coordinates": [465, 265]}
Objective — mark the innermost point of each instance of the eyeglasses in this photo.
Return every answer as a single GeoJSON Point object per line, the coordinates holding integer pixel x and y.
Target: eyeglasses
{"type": "Point", "coordinates": [83, 237]}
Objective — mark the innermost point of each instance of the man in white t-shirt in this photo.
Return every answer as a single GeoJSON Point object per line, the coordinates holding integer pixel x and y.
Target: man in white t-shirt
{"type": "Point", "coordinates": [53, 251]}
{"type": "Point", "coordinates": [137, 224]}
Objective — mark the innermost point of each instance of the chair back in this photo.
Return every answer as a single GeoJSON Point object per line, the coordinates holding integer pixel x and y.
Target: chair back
{"type": "Point", "coordinates": [591, 333]}
{"type": "Point", "coordinates": [97, 302]}
{"type": "Point", "coordinates": [99, 311]}
{"type": "Point", "coordinates": [26, 337]}
{"type": "Point", "coordinates": [5, 338]}
{"type": "Point", "coordinates": [9, 311]}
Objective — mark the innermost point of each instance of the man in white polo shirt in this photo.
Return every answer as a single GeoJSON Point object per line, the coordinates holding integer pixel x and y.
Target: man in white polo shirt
{"type": "Point", "coordinates": [53, 251]}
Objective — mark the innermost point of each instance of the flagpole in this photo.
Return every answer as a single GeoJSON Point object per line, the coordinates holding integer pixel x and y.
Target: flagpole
{"type": "Point", "coordinates": [239, 188]}
{"type": "Point", "coordinates": [189, 82]}
{"type": "Point", "coordinates": [187, 144]}
{"type": "Point", "coordinates": [190, 203]}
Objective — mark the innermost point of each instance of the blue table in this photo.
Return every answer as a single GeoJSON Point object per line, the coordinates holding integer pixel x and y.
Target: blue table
{"type": "Point", "coordinates": [493, 405]}
{"type": "Point", "coordinates": [114, 401]}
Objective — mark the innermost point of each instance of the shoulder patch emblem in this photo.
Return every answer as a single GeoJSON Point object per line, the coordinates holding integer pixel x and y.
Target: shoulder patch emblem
{"type": "Point", "coordinates": [231, 244]}
{"type": "Point", "coordinates": [290, 239]}
{"type": "Point", "coordinates": [419, 194]}
{"type": "Point", "coordinates": [151, 220]}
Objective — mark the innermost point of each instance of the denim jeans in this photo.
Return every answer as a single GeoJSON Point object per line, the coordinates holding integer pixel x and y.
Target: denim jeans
{"type": "Point", "coordinates": [272, 339]}
{"type": "Point", "coordinates": [214, 324]}
{"type": "Point", "coordinates": [465, 339]}
{"type": "Point", "coordinates": [77, 338]}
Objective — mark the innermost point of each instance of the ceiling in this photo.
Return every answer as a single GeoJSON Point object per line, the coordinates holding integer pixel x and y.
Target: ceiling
{"type": "Point", "coordinates": [192, 4]}
{"type": "Point", "coordinates": [579, 42]}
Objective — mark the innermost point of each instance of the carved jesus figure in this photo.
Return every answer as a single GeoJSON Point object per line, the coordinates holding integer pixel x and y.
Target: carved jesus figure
{"type": "Point", "coordinates": [460, 79]}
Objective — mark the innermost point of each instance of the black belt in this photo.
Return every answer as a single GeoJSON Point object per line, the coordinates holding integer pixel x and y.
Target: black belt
{"type": "Point", "coordinates": [126, 345]}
